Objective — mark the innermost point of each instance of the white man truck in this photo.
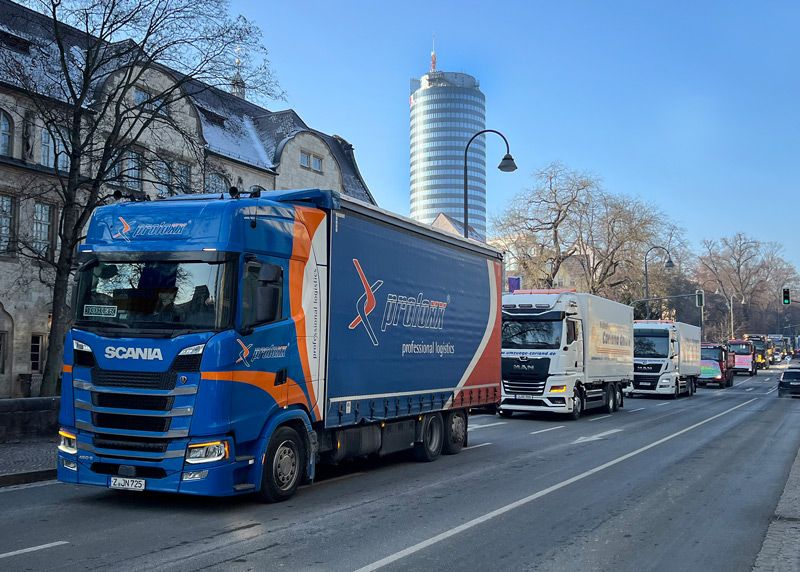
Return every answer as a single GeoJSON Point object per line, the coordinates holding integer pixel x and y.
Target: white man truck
{"type": "Point", "coordinates": [666, 358]}
{"type": "Point", "coordinates": [564, 352]}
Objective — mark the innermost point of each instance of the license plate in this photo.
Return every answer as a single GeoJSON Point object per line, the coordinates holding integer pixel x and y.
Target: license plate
{"type": "Point", "coordinates": [645, 383]}
{"type": "Point", "coordinates": [526, 397]}
{"type": "Point", "coordinates": [794, 383]}
{"type": "Point", "coordinates": [127, 484]}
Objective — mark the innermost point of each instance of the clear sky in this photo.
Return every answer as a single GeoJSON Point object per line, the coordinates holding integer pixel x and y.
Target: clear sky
{"type": "Point", "coordinates": [691, 105]}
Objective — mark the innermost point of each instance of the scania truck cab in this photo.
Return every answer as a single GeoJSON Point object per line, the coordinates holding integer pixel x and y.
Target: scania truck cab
{"type": "Point", "coordinates": [666, 358]}
{"type": "Point", "coordinates": [564, 352]}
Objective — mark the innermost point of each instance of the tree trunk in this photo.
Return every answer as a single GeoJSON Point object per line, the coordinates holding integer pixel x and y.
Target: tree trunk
{"type": "Point", "coordinates": [58, 331]}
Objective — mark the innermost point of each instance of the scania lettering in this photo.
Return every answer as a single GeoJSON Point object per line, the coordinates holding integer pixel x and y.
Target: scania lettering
{"type": "Point", "coordinates": [226, 345]}
{"type": "Point", "coordinates": [666, 358]}
{"type": "Point", "coordinates": [564, 352]}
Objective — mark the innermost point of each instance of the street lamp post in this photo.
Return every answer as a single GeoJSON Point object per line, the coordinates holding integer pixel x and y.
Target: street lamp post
{"type": "Point", "coordinates": [507, 165]}
{"type": "Point", "coordinates": [668, 264]}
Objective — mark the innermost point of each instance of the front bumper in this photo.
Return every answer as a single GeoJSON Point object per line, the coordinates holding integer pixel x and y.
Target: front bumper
{"type": "Point", "coordinates": [663, 387]}
{"type": "Point", "coordinates": [165, 475]}
{"type": "Point", "coordinates": [556, 403]}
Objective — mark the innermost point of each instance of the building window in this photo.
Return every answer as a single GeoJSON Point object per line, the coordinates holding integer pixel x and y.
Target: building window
{"type": "Point", "coordinates": [183, 178]}
{"type": "Point", "coordinates": [6, 224]}
{"type": "Point", "coordinates": [216, 183]}
{"type": "Point", "coordinates": [3, 350]}
{"type": "Point", "coordinates": [42, 225]}
{"type": "Point", "coordinates": [311, 161]}
{"type": "Point", "coordinates": [163, 178]}
{"type": "Point", "coordinates": [37, 353]}
{"type": "Point", "coordinates": [6, 133]}
{"type": "Point", "coordinates": [148, 103]}
{"type": "Point", "coordinates": [52, 150]}
{"type": "Point", "coordinates": [132, 177]}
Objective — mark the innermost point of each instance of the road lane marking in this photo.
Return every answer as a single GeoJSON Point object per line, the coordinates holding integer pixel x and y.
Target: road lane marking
{"type": "Point", "coordinates": [771, 390]}
{"type": "Point", "coordinates": [537, 495]}
{"type": "Point", "coordinates": [595, 437]}
{"type": "Point", "coordinates": [475, 446]}
{"type": "Point", "coordinates": [743, 381]}
{"type": "Point", "coordinates": [635, 410]}
{"type": "Point", "coordinates": [33, 548]}
{"type": "Point", "coordinates": [663, 404]}
{"type": "Point", "coordinates": [546, 430]}
{"type": "Point", "coordinates": [599, 418]}
{"type": "Point", "coordinates": [487, 425]}
{"type": "Point", "coordinates": [749, 388]}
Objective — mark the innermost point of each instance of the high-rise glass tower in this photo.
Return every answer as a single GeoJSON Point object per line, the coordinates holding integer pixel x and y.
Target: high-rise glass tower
{"type": "Point", "coordinates": [447, 109]}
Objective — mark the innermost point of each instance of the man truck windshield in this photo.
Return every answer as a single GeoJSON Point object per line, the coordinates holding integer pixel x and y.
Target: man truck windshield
{"type": "Point", "coordinates": [650, 344]}
{"type": "Point", "coordinates": [714, 354]}
{"type": "Point", "coordinates": [155, 295]}
{"type": "Point", "coordinates": [741, 349]}
{"type": "Point", "coordinates": [531, 334]}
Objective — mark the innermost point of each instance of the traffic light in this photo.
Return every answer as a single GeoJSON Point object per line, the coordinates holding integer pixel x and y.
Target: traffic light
{"type": "Point", "coordinates": [787, 299]}
{"type": "Point", "coordinates": [700, 298]}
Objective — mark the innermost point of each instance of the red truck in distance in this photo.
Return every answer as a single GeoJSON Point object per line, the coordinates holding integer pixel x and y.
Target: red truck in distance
{"type": "Point", "coordinates": [745, 356]}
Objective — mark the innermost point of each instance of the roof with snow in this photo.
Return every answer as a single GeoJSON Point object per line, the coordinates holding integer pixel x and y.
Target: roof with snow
{"type": "Point", "coordinates": [449, 224]}
{"type": "Point", "coordinates": [231, 126]}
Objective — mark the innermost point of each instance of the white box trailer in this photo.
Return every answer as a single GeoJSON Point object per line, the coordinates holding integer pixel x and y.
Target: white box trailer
{"type": "Point", "coordinates": [564, 352]}
{"type": "Point", "coordinates": [666, 358]}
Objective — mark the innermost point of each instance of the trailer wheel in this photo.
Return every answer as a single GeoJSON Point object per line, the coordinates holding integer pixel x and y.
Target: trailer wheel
{"type": "Point", "coordinates": [455, 432]}
{"type": "Point", "coordinates": [284, 465]}
{"type": "Point", "coordinates": [432, 438]}
{"type": "Point", "coordinates": [577, 405]}
{"type": "Point", "coordinates": [611, 399]}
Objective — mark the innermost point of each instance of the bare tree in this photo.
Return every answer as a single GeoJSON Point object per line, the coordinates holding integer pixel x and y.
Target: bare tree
{"type": "Point", "coordinates": [537, 231]}
{"type": "Point", "coordinates": [101, 77]}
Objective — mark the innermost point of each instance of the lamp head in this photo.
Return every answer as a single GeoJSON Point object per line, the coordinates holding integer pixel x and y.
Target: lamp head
{"type": "Point", "coordinates": [507, 165]}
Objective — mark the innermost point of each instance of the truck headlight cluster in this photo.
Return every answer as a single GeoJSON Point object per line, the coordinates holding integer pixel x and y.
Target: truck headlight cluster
{"type": "Point", "coordinates": [67, 443]}
{"type": "Point", "coordinates": [558, 389]}
{"type": "Point", "coordinates": [207, 452]}
{"type": "Point", "coordinates": [192, 350]}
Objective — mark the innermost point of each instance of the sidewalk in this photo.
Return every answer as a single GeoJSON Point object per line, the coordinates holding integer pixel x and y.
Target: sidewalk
{"type": "Point", "coordinates": [27, 461]}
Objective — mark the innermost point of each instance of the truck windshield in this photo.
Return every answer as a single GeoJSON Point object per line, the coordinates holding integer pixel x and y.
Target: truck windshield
{"type": "Point", "coordinates": [155, 295]}
{"type": "Point", "coordinates": [650, 344]}
{"type": "Point", "coordinates": [531, 334]}
{"type": "Point", "coordinates": [741, 349]}
{"type": "Point", "coordinates": [714, 354]}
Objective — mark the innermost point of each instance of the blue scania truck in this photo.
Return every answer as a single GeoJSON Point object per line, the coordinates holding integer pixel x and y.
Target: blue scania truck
{"type": "Point", "coordinates": [226, 344]}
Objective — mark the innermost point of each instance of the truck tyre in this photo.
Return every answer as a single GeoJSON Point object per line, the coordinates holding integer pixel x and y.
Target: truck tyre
{"type": "Point", "coordinates": [611, 399]}
{"type": "Point", "coordinates": [620, 398]}
{"type": "Point", "coordinates": [432, 438]}
{"type": "Point", "coordinates": [506, 414]}
{"type": "Point", "coordinates": [455, 432]}
{"type": "Point", "coordinates": [578, 404]}
{"type": "Point", "coordinates": [284, 465]}
{"type": "Point", "coordinates": [677, 393]}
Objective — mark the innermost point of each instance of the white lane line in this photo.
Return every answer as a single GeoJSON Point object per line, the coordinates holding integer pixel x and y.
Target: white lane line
{"type": "Point", "coordinates": [599, 418]}
{"type": "Point", "coordinates": [596, 437]}
{"type": "Point", "coordinates": [767, 379]}
{"type": "Point", "coordinates": [475, 446]}
{"type": "Point", "coordinates": [487, 425]}
{"type": "Point", "coordinates": [743, 381]}
{"type": "Point", "coordinates": [749, 388]}
{"type": "Point", "coordinates": [526, 500]}
{"type": "Point", "coordinates": [771, 390]}
{"type": "Point", "coordinates": [10, 488]}
{"type": "Point", "coordinates": [33, 548]}
{"type": "Point", "coordinates": [635, 410]}
{"type": "Point", "coordinates": [546, 430]}
{"type": "Point", "coordinates": [663, 404]}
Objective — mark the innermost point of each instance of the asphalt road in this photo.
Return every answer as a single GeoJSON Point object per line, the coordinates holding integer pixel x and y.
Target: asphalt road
{"type": "Point", "coordinates": [690, 484]}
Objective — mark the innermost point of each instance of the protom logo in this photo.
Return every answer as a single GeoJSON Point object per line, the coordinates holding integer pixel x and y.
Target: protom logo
{"type": "Point", "coordinates": [248, 355]}
{"type": "Point", "coordinates": [120, 352]}
{"type": "Point", "coordinates": [403, 311]}
{"type": "Point", "coordinates": [244, 355]}
{"type": "Point", "coordinates": [149, 229]}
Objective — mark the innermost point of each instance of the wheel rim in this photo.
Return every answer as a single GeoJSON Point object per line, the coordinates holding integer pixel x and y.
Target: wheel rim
{"type": "Point", "coordinates": [457, 429]}
{"type": "Point", "coordinates": [284, 465]}
{"type": "Point", "coordinates": [577, 405]}
{"type": "Point", "coordinates": [612, 399]}
{"type": "Point", "coordinates": [433, 435]}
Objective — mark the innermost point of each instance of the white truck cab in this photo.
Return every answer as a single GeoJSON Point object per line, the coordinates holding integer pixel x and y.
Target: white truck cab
{"type": "Point", "coordinates": [564, 352]}
{"type": "Point", "coordinates": [666, 358]}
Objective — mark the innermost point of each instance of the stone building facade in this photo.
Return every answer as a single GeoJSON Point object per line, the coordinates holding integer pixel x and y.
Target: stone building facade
{"type": "Point", "coordinates": [244, 145]}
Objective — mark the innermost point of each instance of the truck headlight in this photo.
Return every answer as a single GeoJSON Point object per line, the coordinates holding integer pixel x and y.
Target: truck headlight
{"type": "Point", "coordinates": [207, 452]}
{"type": "Point", "coordinates": [192, 350]}
{"type": "Point", "coordinates": [67, 443]}
{"type": "Point", "coordinates": [80, 346]}
{"type": "Point", "coordinates": [558, 389]}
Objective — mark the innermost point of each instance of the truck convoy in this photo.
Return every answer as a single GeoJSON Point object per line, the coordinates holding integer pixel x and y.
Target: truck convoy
{"type": "Point", "coordinates": [666, 358]}
{"type": "Point", "coordinates": [564, 352]}
{"type": "Point", "coordinates": [762, 350]}
{"type": "Point", "coordinates": [225, 344]}
{"type": "Point", "coordinates": [780, 347]}
{"type": "Point", "coordinates": [716, 365]}
{"type": "Point", "coordinates": [745, 353]}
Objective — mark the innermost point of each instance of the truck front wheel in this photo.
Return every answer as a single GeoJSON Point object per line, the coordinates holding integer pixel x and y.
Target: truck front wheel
{"type": "Point", "coordinates": [455, 432]}
{"type": "Point", "coordinates": [284, 465]}
{"type": "Point", "coordinates": [611, 399]}
{"type": "Point", "coordinates": [577, 405]}
{"type": "Point", "coordinates": [432, 438]}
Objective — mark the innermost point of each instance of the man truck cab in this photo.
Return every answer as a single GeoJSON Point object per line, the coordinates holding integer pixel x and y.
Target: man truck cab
{"type": "Point", "coordinates": [716, 365]}
{"type": "Point", "coordinates": [666, 358]}
{"type": "Point", "coordinates": [744, 352]}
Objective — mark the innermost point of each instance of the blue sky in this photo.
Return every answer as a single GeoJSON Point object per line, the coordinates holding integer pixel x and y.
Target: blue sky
{"type": "Point", "coordinates": [691, 105]}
